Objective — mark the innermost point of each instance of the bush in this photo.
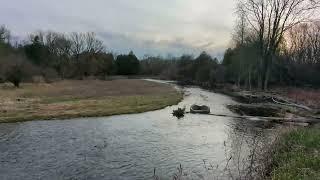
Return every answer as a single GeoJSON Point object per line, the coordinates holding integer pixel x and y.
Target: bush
{"type": "Point", "coordinates": [16, 68]}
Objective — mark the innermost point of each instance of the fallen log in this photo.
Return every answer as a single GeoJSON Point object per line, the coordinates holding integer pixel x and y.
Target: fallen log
{"type": "Point", "coordinates": [260, 98]}
{"type": "Point", "coordinates": [292, 104]}
{"type": "Point", "coordinates": [272, 119]}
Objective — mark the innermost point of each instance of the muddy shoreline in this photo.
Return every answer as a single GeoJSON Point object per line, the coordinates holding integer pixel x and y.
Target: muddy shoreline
{"type": "Point", "coordinates": [269, 105]}
{"type": "Point", "coordinates": [263, 104]}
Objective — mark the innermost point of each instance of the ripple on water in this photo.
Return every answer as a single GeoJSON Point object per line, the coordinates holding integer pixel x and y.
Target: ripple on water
{"type": "Point", "coordinates": [122, 147]}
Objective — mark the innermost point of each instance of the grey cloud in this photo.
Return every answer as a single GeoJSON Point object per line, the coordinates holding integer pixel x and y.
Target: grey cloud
{"type": "Point", "coordinates": [144, 26]}
{"type": "Point", "coordinates": [116, 41]}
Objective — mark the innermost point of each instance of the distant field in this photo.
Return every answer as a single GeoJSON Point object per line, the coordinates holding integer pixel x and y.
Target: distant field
{"type": "Point", "coordinates": [83, 98]}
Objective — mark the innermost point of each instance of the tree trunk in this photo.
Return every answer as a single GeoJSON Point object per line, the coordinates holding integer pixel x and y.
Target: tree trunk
{"type": "Point", "coordinates": [266, 79]}
{"type": "Point", "coordinates": [16, 83]}
{"type": "Point", "coordinates": [249, 79]}
{"type": "Point", "coordinates": [269, 62]}
{"type": "Point", "coordinates": [239, 81]}
{"type": "Point", "coordinates": [260, 73]}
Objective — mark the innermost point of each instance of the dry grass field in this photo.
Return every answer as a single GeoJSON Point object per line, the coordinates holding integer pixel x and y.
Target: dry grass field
{"type": "Point", "coordinates": [85, 98]}
{"type": "Point", "coordinates": [306, 96]}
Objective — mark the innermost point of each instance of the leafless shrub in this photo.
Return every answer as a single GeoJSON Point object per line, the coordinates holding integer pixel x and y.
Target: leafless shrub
{"type": "Point", "coordinates": [15, 68]}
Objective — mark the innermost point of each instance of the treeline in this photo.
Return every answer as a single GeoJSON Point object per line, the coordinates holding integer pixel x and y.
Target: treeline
{"type": "Point", "coordinates": [202, 70]}
{"type": "Point", "coordinates": [272, 45]}
{"type": "Point", "coordinates": [53, 55]}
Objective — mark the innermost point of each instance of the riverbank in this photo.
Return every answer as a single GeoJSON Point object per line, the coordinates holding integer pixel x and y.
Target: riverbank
{"type": "Point", "coordinates": [293, 105]}
{"type": "Point", "coordinates": [297, 155]}
{"type": "Point", "coordinates": [85, 98]}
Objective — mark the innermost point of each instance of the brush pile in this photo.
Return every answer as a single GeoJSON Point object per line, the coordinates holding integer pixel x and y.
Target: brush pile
{"type": "Point", "coordinates": [179, 113]}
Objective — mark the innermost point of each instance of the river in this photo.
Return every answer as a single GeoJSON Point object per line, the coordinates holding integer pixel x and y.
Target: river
{"type": "Point", "coordinates": [129, 146]}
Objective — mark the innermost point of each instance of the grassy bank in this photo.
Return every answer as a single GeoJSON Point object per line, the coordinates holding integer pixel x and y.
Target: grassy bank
{"type": "Point", "coordinates": [297, 156]}
{"type": "Point", "coordinates": [87, 98]}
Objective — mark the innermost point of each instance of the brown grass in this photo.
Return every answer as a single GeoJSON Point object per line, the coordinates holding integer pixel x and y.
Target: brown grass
{"type": "Point", "coordinates": [86, 98]}
{"type": "Point", "coordinates": [309, 97]}
{"type": "Point", "coordinates": [306, 96]}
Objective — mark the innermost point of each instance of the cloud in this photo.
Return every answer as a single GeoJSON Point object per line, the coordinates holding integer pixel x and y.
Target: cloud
{"type": "Point", "coordinates": [144, 26]}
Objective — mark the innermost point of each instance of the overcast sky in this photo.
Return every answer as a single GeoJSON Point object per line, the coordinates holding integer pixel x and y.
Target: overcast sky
{"type": "Point", "coordinates": [145, 26]}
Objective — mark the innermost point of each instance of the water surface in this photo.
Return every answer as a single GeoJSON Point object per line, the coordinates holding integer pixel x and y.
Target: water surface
{"type": "Point", "coordinates": [125, 146]}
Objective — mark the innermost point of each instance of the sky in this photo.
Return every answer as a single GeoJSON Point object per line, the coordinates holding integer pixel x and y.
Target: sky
{"type": "Point", "coordinates": [147, 27]}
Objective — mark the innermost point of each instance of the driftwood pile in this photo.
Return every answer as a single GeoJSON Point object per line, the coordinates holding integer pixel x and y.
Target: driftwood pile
{"type": "Point", "coordinates": [265, 98]}
{"type": "Point", "coordinates": [275, 105]}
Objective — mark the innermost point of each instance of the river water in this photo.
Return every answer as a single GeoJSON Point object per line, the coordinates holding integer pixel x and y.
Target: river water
{"type": "Point", "coordinates": [129, 146]}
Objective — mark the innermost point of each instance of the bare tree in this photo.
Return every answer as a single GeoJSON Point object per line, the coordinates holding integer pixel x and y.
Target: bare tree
{"type": "Point", "coordinates": [241, 29]}
{"type": "Point", "coordinates": [37, 37]}
{"type": "Point", "coordinates": [270, 19]}
{"type": "Point", "coordinates": [61, 46]}
{"type": "Point", "coordinates": [93, 45]}
{"type": "Point", "coordinates": [304, 43]}
{"type": "Point", "coordinates": [78, 44]}
{"type": "Point", "coordinates": [239, 39]}
{"type": "Point", "coordinates": [4, 34]}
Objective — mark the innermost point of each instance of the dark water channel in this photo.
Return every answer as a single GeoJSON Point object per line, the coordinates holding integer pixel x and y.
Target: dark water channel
{"type": "Point", "coordinates": [127, 146]}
